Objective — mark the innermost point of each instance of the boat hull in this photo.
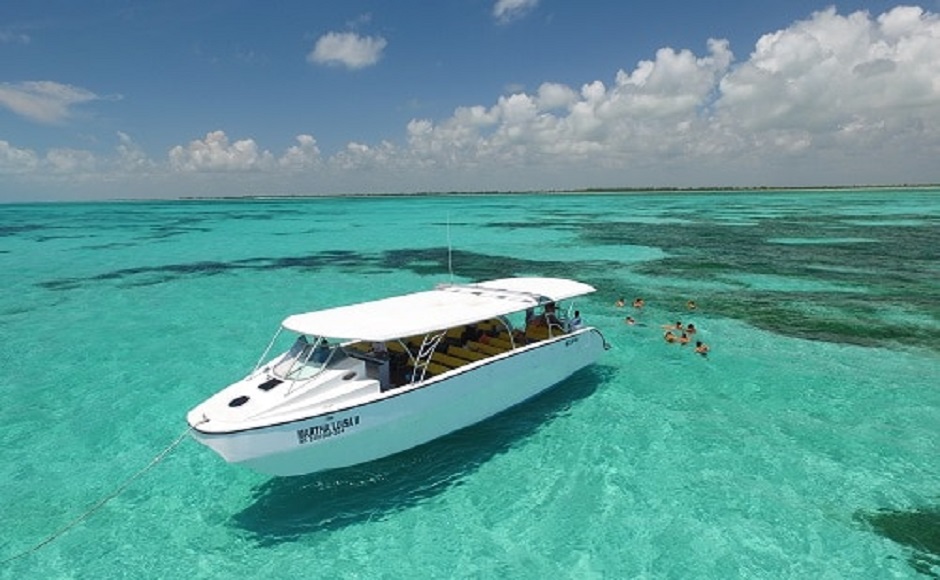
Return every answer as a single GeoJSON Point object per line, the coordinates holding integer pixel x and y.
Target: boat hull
{"type": "Point", "coordinates": [406, 417]}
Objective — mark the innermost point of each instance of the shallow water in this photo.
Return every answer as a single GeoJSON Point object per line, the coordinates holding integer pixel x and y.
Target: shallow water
{"type": "Point", "coordinates": [805, 445]}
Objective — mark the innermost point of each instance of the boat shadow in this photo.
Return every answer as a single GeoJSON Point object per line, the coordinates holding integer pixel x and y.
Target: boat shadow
{"type": "Point", "coordinates": [286, 509]}
{"type": "Point", "coordinates": [917, 530]}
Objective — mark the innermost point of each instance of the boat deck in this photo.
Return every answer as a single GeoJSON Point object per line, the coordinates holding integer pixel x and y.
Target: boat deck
{"type": "Point", "coordinates": [410, 360]}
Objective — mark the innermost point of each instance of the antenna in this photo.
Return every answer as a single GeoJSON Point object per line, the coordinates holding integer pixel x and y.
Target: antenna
{"type": "Point", "coordinates": [450, 252]}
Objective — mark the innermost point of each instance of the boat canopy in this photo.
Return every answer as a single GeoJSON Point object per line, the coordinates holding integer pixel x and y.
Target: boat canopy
{"type": "Point", "coordinates": [447, 306]}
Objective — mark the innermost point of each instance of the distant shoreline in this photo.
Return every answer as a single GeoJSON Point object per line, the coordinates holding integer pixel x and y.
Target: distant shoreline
{"type": "Point", "coordinates": [588, 190]}
{"type": "Point", "coordinates": [576, 191]}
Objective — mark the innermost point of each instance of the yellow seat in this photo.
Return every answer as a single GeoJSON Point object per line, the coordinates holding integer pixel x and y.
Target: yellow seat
{"type": "Point", "coordinates": [536, 332]}
{"type": "Point", "coordinates": [436, 369]}
{"type": "Point", "coordinates": [448, 360]}
{"type": "Point", "coordinates": [487, 348]}
{"type": "Point", "coordinates": [432, 369]}
{"type": "Point", "coordinates": [465, 353]}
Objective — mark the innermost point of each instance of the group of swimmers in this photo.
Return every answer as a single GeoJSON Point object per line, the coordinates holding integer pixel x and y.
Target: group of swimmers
{"type": "Point", "coordinates": [674, 333]}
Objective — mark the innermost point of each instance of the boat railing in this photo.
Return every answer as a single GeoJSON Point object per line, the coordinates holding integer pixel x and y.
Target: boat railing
{"type": "Point", "coordinates": [264, 355]}
{"type": "Point", "coordinates": [425, 352]}
{"type": "Point", "coordinates": [406, 349]}
{"type": "Point", "coordinates": [507, 328]}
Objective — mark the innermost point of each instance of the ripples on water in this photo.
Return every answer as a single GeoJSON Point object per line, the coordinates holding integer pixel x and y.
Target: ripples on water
{"type": "Point", "coordinates": [803, 446]}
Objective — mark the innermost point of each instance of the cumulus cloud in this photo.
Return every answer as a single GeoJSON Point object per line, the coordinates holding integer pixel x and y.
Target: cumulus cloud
{"type": "Point", "coordinates": [826, 71]}
{"type": "Point", "coordinates": [71, 161]}
{"type": "Point", "coordinates": [594, 121]}
{"type": "Point", "coordinates": [359, 156]}
{"type": "Point", "coordinates": [833, 98]}
{"type": "Point", "coordinates": [555, 96]}
{"type": "Point", "coordinates": [43, 101]}
{"type": "Point", "coordinates": [216, 154]}
{"type": "Point", "coordinates": [840, 85]}
{"type": "Point", "coordinates": [16, 160]}
{"type": "Point", "coordinates": [131, 158]}
{"type": "Point", "coordinates": [57, 161]}
{"type": "Point", "coordinates": [304, 155]}
{"type": "Point", "coordinates": [829, 83]}
{"type": "Point", "coordinates": [347, 49]}
{"type": "Point", "coordinates": [505, 11]}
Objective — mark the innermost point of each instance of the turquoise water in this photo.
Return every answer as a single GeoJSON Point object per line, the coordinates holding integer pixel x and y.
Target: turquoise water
{"type": "Point", "coordinates": [805, 445]}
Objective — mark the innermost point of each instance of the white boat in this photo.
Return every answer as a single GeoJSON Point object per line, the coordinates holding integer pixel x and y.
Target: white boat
{"type": "Point", "coordinates": [368, 380]}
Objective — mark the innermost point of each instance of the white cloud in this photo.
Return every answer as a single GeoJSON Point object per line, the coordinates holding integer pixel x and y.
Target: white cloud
{"type": "Point", "coordinates": [131, 158]}
{"type": "Point", "coordinates": [822, 73]}
{"type": "Point", "coordinates": [830, 99]}
{"type": "Point", "coordinates": [506, 11]}
{"type": "Point", "coordinates": [555, 96]}
{"type": "Point", "coordinates": [304, 155]}
{"type": "Point", "coordinates": [676, 83]}
{"type": "Point", "coordinates": [359, 156]}
{"type": "Point", "coordinates": [216, 154]}
{"type": "Point", "coordinates": [561, 125]}
{"type": "Point", "coordinates": [347, 49]}
{"type": "Point", "coordinates": [15, 160]}
{"type": "Point", "coordinates": [819, 86]}
{"type": "Point", "coordinates": [43, 101]}
{"type": "Point", "coordinates": [10, 37]}
{"type": "Point", "coordinates": [70, 161]}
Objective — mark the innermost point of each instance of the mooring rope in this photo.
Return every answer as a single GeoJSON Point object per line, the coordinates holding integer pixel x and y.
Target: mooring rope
{"type": "Point", "coordinates": [97, 506]}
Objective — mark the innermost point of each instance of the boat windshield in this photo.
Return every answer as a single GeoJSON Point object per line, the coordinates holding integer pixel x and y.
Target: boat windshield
{"type": "Point", "coordinates": [306, 357]}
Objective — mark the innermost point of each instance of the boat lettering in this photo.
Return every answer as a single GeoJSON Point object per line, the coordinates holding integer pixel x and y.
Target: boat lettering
{"type": "Point", "coordinates": [571, 341]}
{"type": "Point", "coordinates": [317, 432]}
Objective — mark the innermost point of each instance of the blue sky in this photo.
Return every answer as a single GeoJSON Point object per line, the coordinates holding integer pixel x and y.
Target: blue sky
{"type": "Point", "coordinates": [126, 99]}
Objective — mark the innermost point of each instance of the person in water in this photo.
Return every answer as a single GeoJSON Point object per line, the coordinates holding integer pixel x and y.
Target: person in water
{"type": "Point", "coordinates": [620, 303]}
{"type": "Point", "coordinates": [701, 348]}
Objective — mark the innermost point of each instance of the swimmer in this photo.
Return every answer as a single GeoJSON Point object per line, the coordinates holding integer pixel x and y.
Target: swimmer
{"type": "Point", "coordinates": [669, 336]}
{"type": "Point", "coordinates": [620, 303]}
{"type": "Point", "coordinates": [676, 326]}
{"type": "Point", "coordinates": [684, 339]}
{"type": "Point", "coordinates": [690, 305]}
{"type": "Point", "coordinates": [629, 320]}
{"type": "Point", "coordinates": [638, 303]}
{"type": "Point", "coordinates": [690, 328]}
{"type": "Point", "coordinates": [701, 348]}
